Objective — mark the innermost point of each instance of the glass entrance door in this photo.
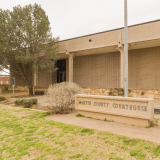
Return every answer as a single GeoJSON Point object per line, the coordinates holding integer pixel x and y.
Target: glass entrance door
{"type": "Point", "coordinates": [62, 76]}
{"type": "Point", "coordinates": [61, 72]}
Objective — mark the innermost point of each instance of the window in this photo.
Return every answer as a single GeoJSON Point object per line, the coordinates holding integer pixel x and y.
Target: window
{"type": "Point", "coordinates": [1, 82]}
{"type": "Point", "coordinates": [6, 82]}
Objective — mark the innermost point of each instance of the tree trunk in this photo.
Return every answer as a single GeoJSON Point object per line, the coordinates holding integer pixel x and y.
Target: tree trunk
{"type": "Point", "coordinates": [30, 91]}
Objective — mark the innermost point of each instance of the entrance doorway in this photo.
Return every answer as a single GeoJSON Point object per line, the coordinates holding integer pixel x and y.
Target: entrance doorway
{"type": "Point", "coordinates": [61, 72]}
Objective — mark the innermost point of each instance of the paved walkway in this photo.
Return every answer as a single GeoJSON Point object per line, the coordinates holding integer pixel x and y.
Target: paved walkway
{"type": "Point", "coordinates": [150, 134]}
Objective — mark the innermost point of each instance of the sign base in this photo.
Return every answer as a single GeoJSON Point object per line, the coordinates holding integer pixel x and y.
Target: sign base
{"type": "Point", "coordinates": [134, 111]}
{"type": "Point", "coordinates": [119, 119]}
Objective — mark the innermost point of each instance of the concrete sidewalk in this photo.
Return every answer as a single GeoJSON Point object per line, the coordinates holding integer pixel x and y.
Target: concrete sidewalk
{"type": "Point", "coordinates": [150, 134]}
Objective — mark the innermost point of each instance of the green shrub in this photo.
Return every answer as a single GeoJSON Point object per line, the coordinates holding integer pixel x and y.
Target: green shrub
{"type": "Point", "coordinates": [2, 98]}
{"type": "Point", "coordinates": [19, 102]}
{"type": "Point", "coordinates": [27, 103]}
{"type": "Point", "coordinates": [34, 101]}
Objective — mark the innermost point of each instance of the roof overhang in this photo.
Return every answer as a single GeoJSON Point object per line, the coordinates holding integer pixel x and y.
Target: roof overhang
{"type": "Point", "coordinates": [109, 49]}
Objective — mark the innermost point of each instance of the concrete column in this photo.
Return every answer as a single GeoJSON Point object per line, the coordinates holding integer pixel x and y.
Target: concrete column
{"type": "Point", "coordinates": [122, 65]}
{"type": "Point", "coordinates": [70, 56]}
{"type": "Point", "coordinates": [71, 67]}
{"type": "Point", "coordinates": [122, 59]}
{"type": "Point", "coordinates": [35, 79]}
{"type": "Point", "coordinates": [122, 69]}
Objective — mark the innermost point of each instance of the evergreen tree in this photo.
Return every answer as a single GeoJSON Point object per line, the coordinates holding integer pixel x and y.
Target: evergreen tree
{"type": "Point", "coordinates": [26, 42]}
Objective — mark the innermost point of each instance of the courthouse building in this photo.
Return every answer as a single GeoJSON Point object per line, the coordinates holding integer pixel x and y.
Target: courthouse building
{"type": "Point", "coordinates": [97, 60]}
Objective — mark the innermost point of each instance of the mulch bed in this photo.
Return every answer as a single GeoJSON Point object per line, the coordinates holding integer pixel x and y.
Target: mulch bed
{"type": "Point", "coordinates": [51, 109]}
{"type": "Point", "coordinates": [38, 107]}
{"type": "Point", "coordinates": [6, 102]}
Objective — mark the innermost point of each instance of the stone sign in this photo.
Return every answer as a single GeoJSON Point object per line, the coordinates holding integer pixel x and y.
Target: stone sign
{"type": "Point", "coordinates": [135, 111]}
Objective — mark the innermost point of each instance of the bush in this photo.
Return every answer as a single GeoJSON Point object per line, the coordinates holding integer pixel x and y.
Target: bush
{"type": "Point", "coordinates": [27, 103]}
{"type": "Point", "coordinates": [62, 95]}
{"type": "Point", "coordinates": [19, 102]}
{"type": "Point", "coordinates": [34, 101]}
{"type": "Point", "coordinates": [2, 98]}
{"type": "Point", "coordinates": [6, 88]}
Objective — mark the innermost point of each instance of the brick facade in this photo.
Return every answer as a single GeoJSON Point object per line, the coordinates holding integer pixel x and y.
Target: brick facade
{"type": "Point", "coordinates": [4, 79]}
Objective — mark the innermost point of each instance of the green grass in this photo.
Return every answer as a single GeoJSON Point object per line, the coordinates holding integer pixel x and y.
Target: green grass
{"type": "Point", "coordinates": [89, 131]}
{"type": "Point", "coordinates": [10, 91]}
{"type": "Point", "coordinates": [79, 115]}
{"type": "Point", "coordinates": [130, 142]}
{"type": "Point", "coordinates": [137, 154]}
{"type": "Point", "coordinates": [25, 134]}
{"type": "Point", "coordinates": [156, 151]}
{"type": "Point", "coordinates": [76, 156]}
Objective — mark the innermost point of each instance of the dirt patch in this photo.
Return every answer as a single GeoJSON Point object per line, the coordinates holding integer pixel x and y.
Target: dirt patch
{"type": "Point", "coordinates": [6, 102]}
{"type": "Point", "coordinates": [40, 106]}
{"type": "Point", "coordinates": [33, 154]}
{"type": "Point", "coordinates": [45, 108]}
{"type": "Point", "coordinates": [49, 109]}
{"type": "Point", "coordinates": [18, 112]}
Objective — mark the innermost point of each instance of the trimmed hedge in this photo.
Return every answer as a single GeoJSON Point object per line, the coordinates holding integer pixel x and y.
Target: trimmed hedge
{"type": "Point", "coordinates": [27, 103]}
{"type": "Point", "coordinates": [34, 101]}
{"type": "Point", "coordinates": [2, 98]}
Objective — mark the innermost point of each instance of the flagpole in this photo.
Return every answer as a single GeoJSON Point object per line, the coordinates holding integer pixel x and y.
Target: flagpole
{"type": "Point", "coordinates": [126, 49]}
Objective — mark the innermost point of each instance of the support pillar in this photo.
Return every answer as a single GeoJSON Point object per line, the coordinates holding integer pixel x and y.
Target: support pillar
{"type": "Point", "coordinates": [122, 59]}
{"type": "Point", "coordinates": [70, 56]}
{"type": "Point", "coordinates": [35, 79]}
{"type": "Point", "coordinates": [122, 65]}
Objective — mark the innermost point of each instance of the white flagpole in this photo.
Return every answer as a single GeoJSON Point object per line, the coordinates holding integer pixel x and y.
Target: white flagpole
{"type": "Point", "coordinates": [126, 49]}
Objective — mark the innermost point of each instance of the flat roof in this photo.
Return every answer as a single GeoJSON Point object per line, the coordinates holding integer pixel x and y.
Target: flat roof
{"type": "Point", "coordinates": [111, 30]}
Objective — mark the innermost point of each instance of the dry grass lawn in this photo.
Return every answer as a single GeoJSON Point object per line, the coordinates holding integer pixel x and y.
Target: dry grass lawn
{"type": "Point", "coordinates": [26, 135]}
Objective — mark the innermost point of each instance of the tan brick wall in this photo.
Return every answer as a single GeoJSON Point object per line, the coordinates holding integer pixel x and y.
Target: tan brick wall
{"type": "Point", "coordinates": [18, 79]}
{"type": "Point", "coordinates": [103, 70]}
{"type": "Point", "coordinates": [44, 78]}
{"type": "Point", "coordinates": [144, 68]}
{"type": "Point", "coordinates": [137, 33]}
{"type": "Point", "coordinates": [100, 70]}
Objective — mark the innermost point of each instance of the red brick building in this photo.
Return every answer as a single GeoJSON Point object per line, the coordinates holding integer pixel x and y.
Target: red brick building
{"type": "Point", "coordinates": [4, 79]}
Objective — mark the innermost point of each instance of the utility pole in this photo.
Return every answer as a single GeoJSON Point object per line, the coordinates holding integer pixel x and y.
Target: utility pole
{"type": "Point", "coordinates": [126, 49]}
